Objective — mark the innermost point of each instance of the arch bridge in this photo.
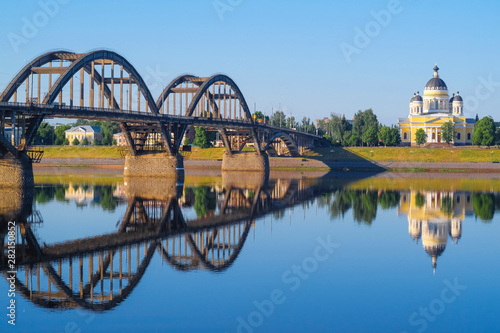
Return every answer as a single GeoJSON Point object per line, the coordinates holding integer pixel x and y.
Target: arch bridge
{"type": "Point", "coordinates": [103, 85]}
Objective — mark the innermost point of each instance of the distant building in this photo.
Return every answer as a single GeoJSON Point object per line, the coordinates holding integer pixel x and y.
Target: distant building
{"type": "Point", "coordinates": [432, 111]}
{"type": "Point", "coordinates": [120, 139]}
{"type": "Point", "coordinates": [9, 135]}
{"type": "Point", "coordinates": [92, 133]}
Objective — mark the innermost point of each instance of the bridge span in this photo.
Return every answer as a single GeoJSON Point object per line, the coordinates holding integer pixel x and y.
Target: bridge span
{"type": "Point", "coordinates": [103, 85]}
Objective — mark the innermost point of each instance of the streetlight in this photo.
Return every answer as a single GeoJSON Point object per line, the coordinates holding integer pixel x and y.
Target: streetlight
{"type": "Point", "coordinates": [272, 113]}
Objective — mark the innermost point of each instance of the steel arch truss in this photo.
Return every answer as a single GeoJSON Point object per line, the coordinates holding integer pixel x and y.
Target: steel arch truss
{"type": "Point", "coordinates": [22, 87]}
{"type": "Point", "coordinates": [279, 141]}
{"type": "Point", "coordinates": [213, 98]}
{"type": "Point", "coordinates": [104, 80]}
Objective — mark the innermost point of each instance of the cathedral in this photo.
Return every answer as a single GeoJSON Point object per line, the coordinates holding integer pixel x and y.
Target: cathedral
{"type": "Point", "coordinates": [434, 109]}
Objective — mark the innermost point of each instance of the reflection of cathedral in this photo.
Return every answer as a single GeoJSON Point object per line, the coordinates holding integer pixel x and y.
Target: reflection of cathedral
{"type": "Point", "coordinates": [433, 216]}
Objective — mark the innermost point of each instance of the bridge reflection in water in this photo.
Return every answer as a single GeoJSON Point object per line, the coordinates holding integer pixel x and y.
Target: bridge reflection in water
{"type": "Point", "coordinates": [98, 273]}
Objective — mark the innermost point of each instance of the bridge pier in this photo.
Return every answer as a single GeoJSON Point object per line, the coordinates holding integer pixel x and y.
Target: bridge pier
{"type": "Point", "coordinates": [245, 161]}
{"type": "Point", "coordinates": [16, 172]}
{"type": "Point", "coordinates": [158, 165]}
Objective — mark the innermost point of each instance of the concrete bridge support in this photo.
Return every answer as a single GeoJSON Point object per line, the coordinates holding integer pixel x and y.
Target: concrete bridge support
{"type": "Point", "coordinates": [158, 165]}
{"type": "Point", "coordinates": [245, 161]}
{"type": "Point", "coordinates": [16, 172]}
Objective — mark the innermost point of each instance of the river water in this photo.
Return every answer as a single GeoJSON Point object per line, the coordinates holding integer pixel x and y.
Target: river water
{"type": "Point", "coordinates": [248, 253]}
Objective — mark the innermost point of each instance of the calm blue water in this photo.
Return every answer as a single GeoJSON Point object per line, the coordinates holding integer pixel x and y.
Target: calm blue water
{"type": "Point", "coordinates": [293, 255]}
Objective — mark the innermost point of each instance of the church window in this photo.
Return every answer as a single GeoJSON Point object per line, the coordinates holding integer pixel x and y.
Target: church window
{"type": "Point", "coordinates": [459, 136]}
{"type": "Point", "coordinates": [441, 104]}
{"type": "Point", "coordinates": [433, 136]}
{"type": "Point", "coordinates": [405, 136]}
{"type": "Point", "coordinates": [468, 136]}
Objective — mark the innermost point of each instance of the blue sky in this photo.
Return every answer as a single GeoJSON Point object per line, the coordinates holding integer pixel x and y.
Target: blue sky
{"type": "Point", "coordinates": [282, 53]}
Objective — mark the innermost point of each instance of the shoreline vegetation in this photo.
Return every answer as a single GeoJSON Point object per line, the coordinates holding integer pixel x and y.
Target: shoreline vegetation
{"type": "Point", "coordinates": [398, 159]}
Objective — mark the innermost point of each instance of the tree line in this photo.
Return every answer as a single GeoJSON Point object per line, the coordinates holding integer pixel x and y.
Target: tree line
{"type": "Point", "coordinates": [363, 130]}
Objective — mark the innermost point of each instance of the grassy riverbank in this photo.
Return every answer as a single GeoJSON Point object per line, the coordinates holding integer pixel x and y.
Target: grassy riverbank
{"type": "Point", "coordinates": [117, 152]}
{"type": "Point", "coordinates": [397, 154]}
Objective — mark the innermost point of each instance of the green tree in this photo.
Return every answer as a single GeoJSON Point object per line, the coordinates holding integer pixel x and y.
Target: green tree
{"type": "Point", "coordinates": [395, 138]}
{"type": "Point", "coordinates": [200, 139]}
{"type": "Point", "coordinates": [290, 122]}
{"type": "Point", "coordinates": [420, 136]}
{"type": "Point", "coordinates": [75, 142]}
{"type": "Point", "coordinates": [60, 134]}
{"type": "Point", "coordinates": [447, 132]}
{"type": "Point", "coordinates": [370, 136]}
{"type": "Point", "coordinates": [44, 135]}
{"type": "Point", "coordinates": [278, 119]}
{"type": "Point", "coordinates": [366, 126]}
{"type": "Point", "coordinates": [108, 128]}
{"type": "Point", "coordinates": [258, 115]}
{"type": "Point", "coordinates": [358, 125]}
{"type": "Point", "coordinates": [384, 135]}
{"type": "Point", "coordinates": [66, 142]}
{"type": "Point", "coordinates": [484, 132]}
{"type": "Point", "coordinates": [353, 139]}
{"type": "Point", "coordinates": [322, 127]}
{"type": "Point", "coordinates": [337, 127]}
{"type": "Point", "coordinates": [85, 142]}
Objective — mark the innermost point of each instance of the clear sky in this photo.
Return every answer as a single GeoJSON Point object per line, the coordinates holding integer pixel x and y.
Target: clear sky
{"type": "Point", "coordinates": [288, 53]}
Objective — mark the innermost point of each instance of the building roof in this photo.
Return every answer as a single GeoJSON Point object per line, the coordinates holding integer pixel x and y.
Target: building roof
{"type": "Point", "coordinates": [458, 98]}
{"type": "Point", "coordinates": [416, 98]}
{"type": "Point", "coordinates": [436, 83]}
{"type": "Point", "coordinates": [84, 128]}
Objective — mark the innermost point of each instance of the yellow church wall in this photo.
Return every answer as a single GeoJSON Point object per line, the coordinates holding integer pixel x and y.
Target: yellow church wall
{"type": "Point", "coordinates": [434, 123]}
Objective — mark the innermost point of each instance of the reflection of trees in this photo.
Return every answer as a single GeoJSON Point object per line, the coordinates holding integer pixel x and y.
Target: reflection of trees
{"type": "Point", "coordinates": [205, 200]}
{"type": "Point", "coordinates": [44, 194]}
{"type": "Point", "coordinates": [60, 193]}
{"type": "Point", "coordinates": [484, 205]}
{"type": "Point", "coordinates": [108, 201]}
{"type": "Point", "coordinates": [340, 204]}
{"type": "Point", "coordinates": [447, 205]}
{"type": "Point", "coordinates": [102, 195]}
{"type": "Point", "coordinates": [365, 206]}
{"type": "Point", "coordinates": [420, 200]}
{"type": "Point", "coordinates": [389, 199]}
{"type": "Point", "coordinates": [364, 203]}
{"type": "Point", "coordinates": [279, 214]}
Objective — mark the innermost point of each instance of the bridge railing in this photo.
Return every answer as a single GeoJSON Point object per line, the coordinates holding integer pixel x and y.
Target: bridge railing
{"type": "Point", "coordinates": [155, 117]}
